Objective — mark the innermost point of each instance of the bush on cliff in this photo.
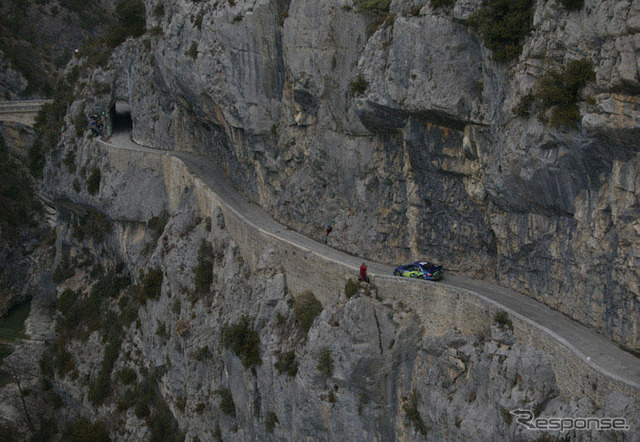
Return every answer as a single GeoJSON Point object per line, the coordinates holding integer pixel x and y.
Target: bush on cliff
{"type": "Point", "coordinates": [504, 24]}
{"type": "Point", "coordinates": [243, 341]}
{"type": "Point", "coordinates": [306, 309]}
{"type": "Point", "coordinates": [559, 90]}
{"type": "Point", "coordinates": [203, 272]}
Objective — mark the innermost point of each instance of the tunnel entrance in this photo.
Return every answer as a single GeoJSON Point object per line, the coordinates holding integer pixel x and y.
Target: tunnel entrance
{"type": "Point", "coordinates": [121, 117]}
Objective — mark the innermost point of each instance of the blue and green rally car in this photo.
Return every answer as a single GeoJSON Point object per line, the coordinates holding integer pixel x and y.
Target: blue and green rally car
{"type": "Point", "coordinates": [420, 269]}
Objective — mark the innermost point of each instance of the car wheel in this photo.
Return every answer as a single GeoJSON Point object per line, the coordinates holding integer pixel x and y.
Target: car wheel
{"type": "Point", "coordinates": [396, 273]}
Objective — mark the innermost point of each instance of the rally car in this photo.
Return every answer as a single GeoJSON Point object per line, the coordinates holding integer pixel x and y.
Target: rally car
{"type": "Point", "coordinates": [420, 269]}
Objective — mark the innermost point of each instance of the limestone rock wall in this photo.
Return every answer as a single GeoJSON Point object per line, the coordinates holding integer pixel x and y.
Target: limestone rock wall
{"type": "Point", "coordinates": [429, 159]}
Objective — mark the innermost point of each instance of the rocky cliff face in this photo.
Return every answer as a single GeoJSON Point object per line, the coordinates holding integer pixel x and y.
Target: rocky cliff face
{"type": "Point", "coordinates": [164, 330]}
{"type": "Point", "coordinates": [404, 136]}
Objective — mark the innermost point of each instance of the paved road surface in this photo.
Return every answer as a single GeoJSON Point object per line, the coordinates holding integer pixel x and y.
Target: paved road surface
{"type": "Point", "coordinates": [600, 353]}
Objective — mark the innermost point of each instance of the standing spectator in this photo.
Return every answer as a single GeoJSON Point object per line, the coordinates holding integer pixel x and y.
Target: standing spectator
{"type": "Point", "coordinates": [363, 273]}
{"type": "Point", "coordinates": [329, 229]}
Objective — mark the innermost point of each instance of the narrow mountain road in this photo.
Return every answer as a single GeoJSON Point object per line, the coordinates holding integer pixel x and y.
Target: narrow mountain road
{"type": "Point", "coordinates": [595, 350]}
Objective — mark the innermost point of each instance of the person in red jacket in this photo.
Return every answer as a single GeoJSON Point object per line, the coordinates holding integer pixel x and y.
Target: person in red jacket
{"type": "Point", "coordinates": [363, 273]}
{"type": "Point", "coordinates": [329, 229]}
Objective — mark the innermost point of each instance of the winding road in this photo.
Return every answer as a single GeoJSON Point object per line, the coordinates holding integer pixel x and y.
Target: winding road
{"type": "Point", "coordinates": [593, 349]}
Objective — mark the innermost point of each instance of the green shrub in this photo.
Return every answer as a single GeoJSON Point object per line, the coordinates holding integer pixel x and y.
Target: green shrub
{"type": "Point", "coordinates": [325, 362]}
{"type": "Point", "coordinates": [158, 11]}
{"type": "Point", "coordinates": [558, 92]}
{"type": "Point", "coordinates": [92, 224]}
{"type": "Point", "coordinates": [202, 353]}
{"type": "Point", "coordinates": [351, 288]}
{"type": "Point", "coordinates": [375, 7]}
{"type": "Point", "coordinates": [193, 50]}
{"type": "Point", "coordinates": [158, 223]}
{"type": "Point", "coordinates": [572, 5]}
{"type": "Point", "coordinates": [243, 341]}
{"type": "Point", "coordinates": [67, 301]}
{"type": "Point", "coordinates": [270, 421]}
{"type": "Point", "coordinates": [93, 182]}
{"type": "Point", "coordinates": [286, 363]}
{"type": "Point", "coordinates": [151, 285]}
{"type": "Point", "coordinates": [127, 376]}
{"type": "Point", "coordinates": [523, 108]}
{"type": "Point", "coordinates": [227, 406]}
{"type": "Point", "coordinates": [441, 3]}
{"type": "Point", "coordinates": [131, 17]}
{"type": "Point", "coordinates": [358, 86]}
{"type": "Point", "coordinates": [203, 272]}
{"type": "Point", "coordinates": [502, 319]}
{"type": "Point", "coordinates": [100, 390]}
{"type": "Point", "coordinates": [504, 24]}
{"type": "Point", "coordinates": [198, 21]}
{"type": "Point", "coordinates": [70, 161]}
{"type": "Point", "coordinates": [306, 309]}
{"type": "Point", "coordinates": [63, 271]}
{"type": "Point", "coordinates": [82, 430]}
{"type": "Point", "coordinates": [410, 408]}
{"type": "Point", "coordinates": [17, 197]}
{"type": "Point", "coordinates": [109, 285]}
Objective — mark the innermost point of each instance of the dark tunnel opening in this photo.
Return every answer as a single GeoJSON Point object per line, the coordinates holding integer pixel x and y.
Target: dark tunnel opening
{"type": "Point", "coordinates": [121, 117]}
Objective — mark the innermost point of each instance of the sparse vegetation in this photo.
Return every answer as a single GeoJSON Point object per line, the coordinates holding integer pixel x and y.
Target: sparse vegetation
{"type": "Point", "coordinates": [325, 362]}
{"type": "Point", "coordinates": [410, 408]}
{"type": "Point", "coordinates": [358, 86]}
{"type": "Point", "coordinates": [151, 285]}
{"type": "Point", "coordinates": [93, 225]}
{"type": "Point", "coordinates": [558, 92]}
{"type": "Point", "coordinates": [504, 24]}
{"type": "Point", "coordinates": [158, 223]}
{"type": "Point", "coordinates": [572, 5]}
{"type": "Point", "coordinates": [17, 198]}
{"type": "Point", "coordinates": [286, 363]}
{"type": "Point", "coordinates": [227, 406]}
{"type": "Point", "coordinates": [270, 421]}
{"type": "Point", "coordinates": [93, 182]}
{"type": "Point", "coordinates": [203, 272]}
{"type": "Point", "coordinates": [243, 341]}
{"type": "Point", "coordinates": [502, 319]}
{"type": "Point", "coordinates": [506, 416]}
{"type": "Point", "coordinates": [84, 430]}
{"type": "Point", "coordinates": [441, 3]}
{"type": "Point", "coordinates": [306, 308]}
{"type": "Point", "coordinates": [351, 288]}
{"type": "Point", "coordinates": [193, 50]}
{"type": "Point", "coordinates": [375, 7]}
